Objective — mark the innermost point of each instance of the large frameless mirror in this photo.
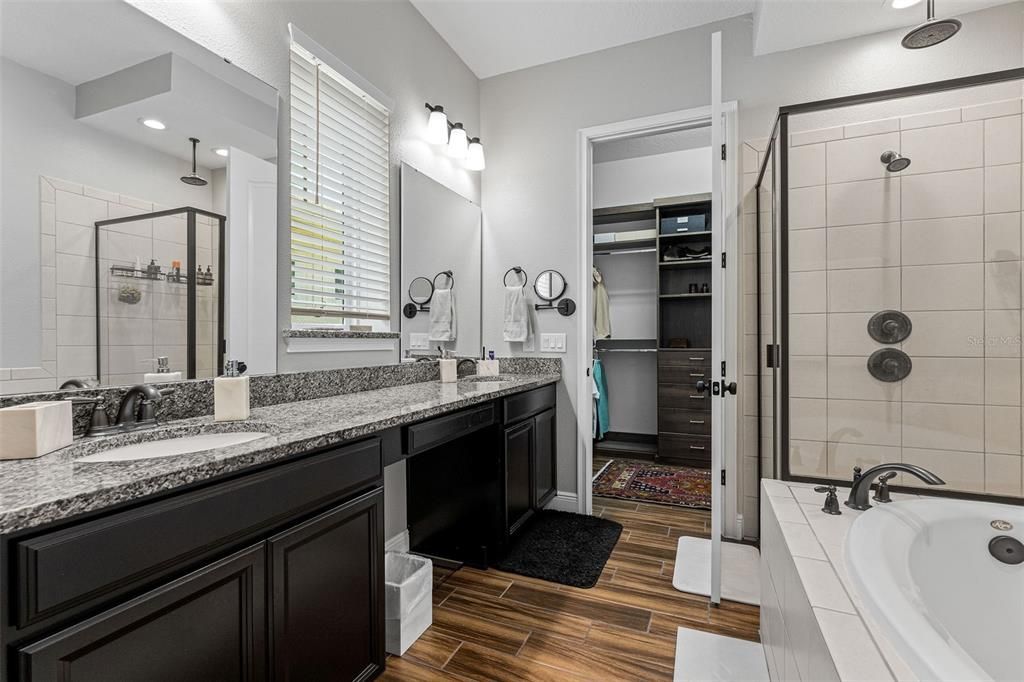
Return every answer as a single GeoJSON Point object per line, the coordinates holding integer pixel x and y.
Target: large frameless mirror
{"type": "Point", "coordinates": [127, 148]}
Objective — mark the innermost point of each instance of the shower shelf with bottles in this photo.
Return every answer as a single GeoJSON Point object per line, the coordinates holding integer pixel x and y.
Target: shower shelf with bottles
{"type": "Point", "coordinates": [202, 278]}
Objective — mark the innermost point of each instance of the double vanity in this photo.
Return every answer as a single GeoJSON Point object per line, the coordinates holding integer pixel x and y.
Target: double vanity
{"type": "Point", "coordinates": [261, 559]}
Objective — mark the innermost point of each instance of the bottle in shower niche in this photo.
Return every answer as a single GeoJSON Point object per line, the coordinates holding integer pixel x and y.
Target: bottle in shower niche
{"type": "Point", "coordinates": [231, 393]}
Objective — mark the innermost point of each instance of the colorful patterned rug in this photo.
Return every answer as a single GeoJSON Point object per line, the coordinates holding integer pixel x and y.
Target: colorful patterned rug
{"type": "Point", "coordinates": [659, 483]}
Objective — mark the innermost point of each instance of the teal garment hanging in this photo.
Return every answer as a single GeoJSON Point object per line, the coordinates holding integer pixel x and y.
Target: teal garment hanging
{"type": "Point", "coordinates": [603, 420]}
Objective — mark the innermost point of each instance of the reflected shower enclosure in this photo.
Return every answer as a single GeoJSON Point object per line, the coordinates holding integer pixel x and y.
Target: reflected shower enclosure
{"type": "Point", "coordinates": [167, 302]}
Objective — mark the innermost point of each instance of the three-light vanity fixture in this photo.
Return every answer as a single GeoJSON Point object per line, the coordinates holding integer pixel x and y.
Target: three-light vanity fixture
{"type": "Point", "coordinates": [441, 131]}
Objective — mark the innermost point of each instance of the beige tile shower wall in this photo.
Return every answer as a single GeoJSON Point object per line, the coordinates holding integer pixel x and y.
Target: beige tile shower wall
{"type": "Point", "coordinates": [753, 152]}
{"type": "Point", "coordinates": [131, 334]}
{"type": "Point", "coordinates": [940, 241]}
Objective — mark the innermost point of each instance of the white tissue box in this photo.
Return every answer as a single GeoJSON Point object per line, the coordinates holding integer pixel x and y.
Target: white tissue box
{"type": "Point", "coordinates": [487, 368]}
{"type": "Point", "coordinates": [35, 429]}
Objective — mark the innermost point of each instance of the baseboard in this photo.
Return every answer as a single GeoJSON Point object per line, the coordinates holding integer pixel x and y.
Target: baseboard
{"type": "Point", "coordinates": [567, 502]}
{"type": "Point", "coordinates": [399, 543]}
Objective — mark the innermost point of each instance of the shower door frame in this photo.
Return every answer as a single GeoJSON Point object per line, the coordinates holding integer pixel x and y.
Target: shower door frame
{"type": "Point", "coordinates": [780, 133]}
{"type": "Point", "coordinates": [190, 293]}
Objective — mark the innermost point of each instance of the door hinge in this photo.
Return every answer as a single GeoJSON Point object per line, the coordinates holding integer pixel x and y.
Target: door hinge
{"type": "Point", "coordinates": [723, 369]}
{"type": "Point", "coordinates": [723, 152]}
{"type": "Point", "coordinates": [723, 260]}
{"type": "Point", "coordinates": [723, 476]}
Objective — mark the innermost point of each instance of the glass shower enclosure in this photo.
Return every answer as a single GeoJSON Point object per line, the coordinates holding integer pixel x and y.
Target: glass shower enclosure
{"type": "Point", "coordinates": [160, 295]}
{"type": "Point", "coordinates": [889, 299]}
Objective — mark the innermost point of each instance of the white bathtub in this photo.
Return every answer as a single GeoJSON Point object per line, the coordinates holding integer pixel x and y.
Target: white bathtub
{"type": "Point", "coordinates": [923, 570]}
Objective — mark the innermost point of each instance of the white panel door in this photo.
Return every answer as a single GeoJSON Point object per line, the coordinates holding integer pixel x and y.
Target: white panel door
{"type": "Point", "coordinates": [250, 309]}
{"type": "Point", "coordinates": [717, 316]}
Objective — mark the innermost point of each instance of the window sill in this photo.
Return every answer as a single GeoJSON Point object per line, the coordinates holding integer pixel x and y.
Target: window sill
{"type": "Point", "coordinates": [339, 341]}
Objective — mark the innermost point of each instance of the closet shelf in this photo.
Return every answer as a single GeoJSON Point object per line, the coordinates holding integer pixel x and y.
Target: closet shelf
{"type": "Point", "coordinates": [677, 235]}
{"type": "Point", "coordinates": [637, 245]}
{"type": "Point", "coordinates": [695, 262]}
{"type": "Point", "coordinates": [675, 296]}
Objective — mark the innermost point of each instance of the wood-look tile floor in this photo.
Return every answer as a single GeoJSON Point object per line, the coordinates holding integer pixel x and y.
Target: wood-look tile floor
{"type": "Point", "coordinates": [491, 625]}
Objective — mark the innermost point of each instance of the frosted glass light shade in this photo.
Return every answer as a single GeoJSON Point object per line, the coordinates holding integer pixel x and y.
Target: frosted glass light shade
{"type": "Point", "coordinates": [458, 143]}
{"type": "Point", "coordinates": [903, 4]}
{"type": "Point", "coordinates": [437, 127]}
{"type": "Point", "coordinates": [475, 155]}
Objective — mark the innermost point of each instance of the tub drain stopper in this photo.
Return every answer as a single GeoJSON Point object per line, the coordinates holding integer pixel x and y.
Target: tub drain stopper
{"type": "Point", "coordinates": [1008, 550]}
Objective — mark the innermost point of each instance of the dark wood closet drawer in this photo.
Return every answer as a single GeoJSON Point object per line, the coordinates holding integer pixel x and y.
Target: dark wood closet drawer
{"type": "Point", "coordinates": [691, 450]}
{"type": "Point", "coordinates": [689, 422]}
{"type": "Point", "coordinates": [670, 358]}
{"type": "Point", "coordinates": [687, 375]}
{"type": "Point", "coordinates": [96, 560]}
{"type": "Point", "coordinates": [683, 397]}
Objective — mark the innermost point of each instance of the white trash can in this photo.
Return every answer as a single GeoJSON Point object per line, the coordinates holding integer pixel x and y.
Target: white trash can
{"type": "Point", "coordinates": [408, 609]}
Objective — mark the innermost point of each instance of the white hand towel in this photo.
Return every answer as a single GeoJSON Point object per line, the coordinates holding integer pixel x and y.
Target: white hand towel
{"type": "Point", "coordinates": [517, 317]}
{"type": "Point", "coordinates": [442, 315]}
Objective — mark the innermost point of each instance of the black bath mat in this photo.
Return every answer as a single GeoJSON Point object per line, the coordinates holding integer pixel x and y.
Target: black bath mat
{"type": "Point", "coordinates": [564, 548]}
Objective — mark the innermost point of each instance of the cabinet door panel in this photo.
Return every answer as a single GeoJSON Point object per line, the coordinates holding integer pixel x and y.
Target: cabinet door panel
{"type": "Point", "coordinates": [207, 625]}
{"type": "Point", "coordinates": [327, 589]}
{"type": "Point", "coordinates": [518, 479]}
{"type": "Point", "coordinates": [544, 458]}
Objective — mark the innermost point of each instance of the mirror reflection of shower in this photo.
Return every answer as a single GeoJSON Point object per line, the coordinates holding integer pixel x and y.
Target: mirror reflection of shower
{"type": "Point", "coordinates": [894, 161]}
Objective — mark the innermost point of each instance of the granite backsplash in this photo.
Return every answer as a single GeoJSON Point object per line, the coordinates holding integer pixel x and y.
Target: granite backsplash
{"type": "Point", "coordinates": [195, 398]}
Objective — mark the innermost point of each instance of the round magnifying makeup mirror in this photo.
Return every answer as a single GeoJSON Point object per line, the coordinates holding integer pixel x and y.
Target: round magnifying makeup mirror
{"type": "Point", "coordinates": [421, 290]}
{"type": "Point", "coordinates": [549, 285]}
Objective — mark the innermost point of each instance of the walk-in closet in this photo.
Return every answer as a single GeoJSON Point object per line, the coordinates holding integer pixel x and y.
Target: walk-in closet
{"type": "Point", "coordinates": [652, 316]}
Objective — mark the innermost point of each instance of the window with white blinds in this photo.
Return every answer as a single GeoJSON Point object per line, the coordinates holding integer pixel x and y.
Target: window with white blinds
{"type": "Point", "coordinates": [340, 172]}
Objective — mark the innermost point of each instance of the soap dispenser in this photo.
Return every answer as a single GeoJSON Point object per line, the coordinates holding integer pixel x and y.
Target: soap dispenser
{"type": "Point", "coordinates": [231, 393]}
{"type": "Point", "coordinates": [163, 372]}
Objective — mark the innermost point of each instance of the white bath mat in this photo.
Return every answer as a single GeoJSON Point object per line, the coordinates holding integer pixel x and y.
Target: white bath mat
{"type": "Point", "coordinates": [741, 564]}
{"type": "Point", "coordinates": [707, 657]}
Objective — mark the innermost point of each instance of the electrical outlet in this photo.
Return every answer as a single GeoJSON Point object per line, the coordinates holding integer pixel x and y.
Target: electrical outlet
{"type": "Point", "coordinates": [552, 343]}
{"type": "Point", "coordinates": [419, 341]}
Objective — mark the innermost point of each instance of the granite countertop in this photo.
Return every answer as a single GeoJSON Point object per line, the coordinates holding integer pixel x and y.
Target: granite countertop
{"type": "Point", "coordinates": [56, 486]}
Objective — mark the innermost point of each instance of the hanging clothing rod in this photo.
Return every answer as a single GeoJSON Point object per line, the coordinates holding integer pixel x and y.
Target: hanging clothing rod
{"type": "Point", "coordinates": [625, 350]}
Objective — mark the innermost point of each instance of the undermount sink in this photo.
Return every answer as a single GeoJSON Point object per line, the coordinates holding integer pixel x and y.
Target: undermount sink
{"type": "Point", "coordinates": [168, 447]}
{"type": "Point", "coordinates": [479, 379]}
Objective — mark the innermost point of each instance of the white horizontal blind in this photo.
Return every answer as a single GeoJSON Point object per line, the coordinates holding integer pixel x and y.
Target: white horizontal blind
{"type": "Point", "coordinates": [340, 227]}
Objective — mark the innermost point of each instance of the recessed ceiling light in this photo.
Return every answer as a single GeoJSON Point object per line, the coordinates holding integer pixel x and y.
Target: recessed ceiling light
{"type": "Point", "coordinates": [220, 151]}
{"type": "Point", "coordinates": [903, 4]}
{"type": "Point", "coordinates": [155, 124]}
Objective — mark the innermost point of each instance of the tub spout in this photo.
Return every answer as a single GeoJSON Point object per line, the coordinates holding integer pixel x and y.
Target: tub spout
{"type": "Point", "coordinates": [858, 498]}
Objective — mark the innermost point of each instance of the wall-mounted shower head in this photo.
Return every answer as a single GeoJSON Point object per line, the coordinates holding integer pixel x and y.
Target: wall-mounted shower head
{"type": "Point", "coordinates": [193, 177]}
{"type": "Point", "coordinates": [894, 162]}
{"type": "Point", "coordinates": [932, 31]}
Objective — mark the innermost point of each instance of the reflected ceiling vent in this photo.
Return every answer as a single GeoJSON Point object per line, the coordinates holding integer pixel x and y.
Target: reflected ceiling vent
{"type": "Point", "coordinates": [931, 32]}
{"type": "Point", "coordinates": [193, 177]}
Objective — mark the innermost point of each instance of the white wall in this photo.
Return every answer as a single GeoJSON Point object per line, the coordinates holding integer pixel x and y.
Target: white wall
{"type": "Point", "coordinates": [658, 176]}
{"type": "Point", "coordinates": [530, 119]}
{"type": "Point", "coordinates": [389, 44]}
{"type": "Point", "coordinates": [40, 136]}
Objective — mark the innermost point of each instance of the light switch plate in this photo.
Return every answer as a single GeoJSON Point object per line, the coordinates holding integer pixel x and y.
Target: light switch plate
{"type": "Point", "coordinates": [552, 343]}
{"type": "Point", "coordinates": [419, 341]}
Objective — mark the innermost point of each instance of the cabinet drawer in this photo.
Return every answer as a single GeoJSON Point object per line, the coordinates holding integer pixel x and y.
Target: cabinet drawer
{"type": "Point", "coordinates": [690, 422]}
{"type": "Point", "coordinates": [682, 397]}
{"type": "Point", "coordinates": [687, 449]}
{"type": "Point", "coordinates": [687, 375]}
{"type": "Point", "coordinates": [430, 434]}
{"type": "Point", "coordinates": [90, 562]}
{"type": "Point", "coordinates": [669, 358]}
{"type": "Point", "coordinates": [523, 405]}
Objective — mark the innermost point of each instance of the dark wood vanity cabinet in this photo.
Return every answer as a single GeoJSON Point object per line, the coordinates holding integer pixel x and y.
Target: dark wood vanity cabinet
{"type": "Point", "coordinates": [276, 574]}
{"type": "Point", "coordinates": [529, 456]}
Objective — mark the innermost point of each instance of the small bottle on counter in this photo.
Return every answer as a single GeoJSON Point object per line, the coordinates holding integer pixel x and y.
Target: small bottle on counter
{"type": "Point", "coordinates": [231, 393]}
{"type": "Point", "coordinates": [449, 367]}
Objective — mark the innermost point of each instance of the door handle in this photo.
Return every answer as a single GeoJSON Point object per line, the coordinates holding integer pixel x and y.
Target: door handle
{"type": "Point", "coordinates": [728, 388]}
{"type": "Point", "coordinates": [703, 386]}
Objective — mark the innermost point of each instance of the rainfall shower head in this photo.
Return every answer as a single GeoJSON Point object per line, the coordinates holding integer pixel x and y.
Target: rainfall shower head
{"type": "Point", "coordinates": [193, 177]}
{"type": "Point", "coordinates": [894, 163]}
{"type": "Point", "coordinates": [931, 32]}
